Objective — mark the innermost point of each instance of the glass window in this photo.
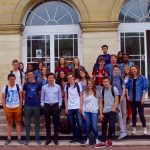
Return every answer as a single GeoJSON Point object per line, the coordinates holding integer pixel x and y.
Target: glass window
{"type": "Point", "coordinates": [52, 13]}
{"type": "Point", "coordinates": [135, 11]}
{"type": "Point", "coordinates": [66, 45]}
{"type": "Point", "coordinates": [133, 44]}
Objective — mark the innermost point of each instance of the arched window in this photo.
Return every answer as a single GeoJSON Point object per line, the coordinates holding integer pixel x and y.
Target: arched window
{"type": "Point", "coordinates": [52, 30]}
{"type": "Point", "coordinates": [135, 11]}
{"type": "Point", "coordinates": [52, 13]}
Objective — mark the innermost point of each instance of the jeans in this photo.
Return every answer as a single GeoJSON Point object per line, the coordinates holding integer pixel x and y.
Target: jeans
{"type": "Point", "coordinates": [76, 123]}
{"type": "Point", "coordinates": [35, 112]}
{"type": "Point", "coordinates": [110, 118]}
{"type": "Point", "coordinates": [140, 107]}
{"type": "Point", "coordinates": [91, 118]}
{"type": "Point", "coordinates": [51, 110]}
{"type": "Point", "coordinates": [122, 115]}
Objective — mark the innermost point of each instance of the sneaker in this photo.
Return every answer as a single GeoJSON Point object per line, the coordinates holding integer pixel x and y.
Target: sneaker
{"type": "Point", "coordinates": [122, 135]}
{"type": "Point", "coordinates": [87, 142]}
{"type": "Point", "coordinates": [38, 141]}
{"type": "Point", "coordinates": [134, 131]}
{"type": "Point", "coordinates": [109, 143]}
{"type": "Point", "coordinates": [97, 141]}
{"type": "Point", "coordinates": [145, 131]}
{"type": "Point", "coordinates": [8, 141]}
{"type": "Point", "coordinates": [26, 142]}
{"type": "Point", "coordinates": [20, 141]}
{"type": "Point", "coordinates": [100, 145]}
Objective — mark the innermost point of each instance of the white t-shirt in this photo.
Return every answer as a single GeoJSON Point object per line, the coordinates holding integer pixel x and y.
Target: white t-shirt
{"type": "Point", "coordinates": [12, 98]}
{"type": "Point", "coordinates": [18, 78]}
{"type": "Point", "coordinates": [73, 97]}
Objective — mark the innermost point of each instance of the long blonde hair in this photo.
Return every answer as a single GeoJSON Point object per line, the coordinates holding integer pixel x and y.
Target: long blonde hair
{"type": "Point", "coordinates": [93, 88]}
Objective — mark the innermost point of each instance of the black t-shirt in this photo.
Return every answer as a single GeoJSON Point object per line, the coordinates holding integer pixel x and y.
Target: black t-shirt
{"type": "Point", "coordinates": [134, 90]}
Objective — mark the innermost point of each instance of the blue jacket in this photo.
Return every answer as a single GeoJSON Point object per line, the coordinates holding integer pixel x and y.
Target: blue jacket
{"type": "Point", "coordinates": [141, 87]}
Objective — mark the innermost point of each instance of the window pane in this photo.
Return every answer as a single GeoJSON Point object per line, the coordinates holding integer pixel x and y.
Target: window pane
{"type": "Point", "coordinates": [52, 13]}
{"type": "Point", "coordinates": [122, 45]}
{"type": "Point", "coordinates": [135, 11]}
{"type": "Point", "coordinates": [65, 20]}
{"type": "Point", "coordinates": [66, 47]}
{"type": "Point", "coordinates": [38, 48]}
{"type": "Point", "coordinates": [28, 48]}
{"type": "Point", "coordinates": [75, 47]}
{"type": "Point", "coordinates": [37, 21]}
{"type": "Point", "coordinates": [132, 45]}
{"type": "Point", "coordinates": [56, 48]}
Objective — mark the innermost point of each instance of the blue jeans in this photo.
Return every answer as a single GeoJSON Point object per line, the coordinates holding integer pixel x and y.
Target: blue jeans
{"type": "Point", "coordinates": [91, 119]}
{"type": "Point", "coordinates": [76, 123]}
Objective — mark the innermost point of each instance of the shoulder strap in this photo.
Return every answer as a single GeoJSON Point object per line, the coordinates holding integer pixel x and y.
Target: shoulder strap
{"type": "Point", "coordinates": [112, 91]}
{"type": "Point", "coordinates": [121, 80]}
{"type": "Point", "coordinates": [103, 92]}
{"type": "Point", "coordinates": [6, 91]}
{"type": "Point", "coordinates": [18, 89]}
{"type": "Point", "coordinates": [21, 76]}
{"type": "Point", "coordinates": [78, 88]}
{"type": "Point", "coordinates": [67, 87]}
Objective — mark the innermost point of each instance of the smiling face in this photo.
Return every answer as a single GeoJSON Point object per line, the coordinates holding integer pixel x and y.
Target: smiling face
{"type": "Point", "coordinates": [90, 84]}
{"type": "Point", "coordinates": [82, 74]}
{"type": "Point", "coordinates": [62, 74]}
{"type": "Point", "coordinates": [30, 76]}
{"type": "Point", "coordinates": [116, 71]}
{"type": "Point", "coordinates": [11, 81]}
{"type": "Point", "coordinates": [134, 71]}
{"type": "Point", "coordinates": [71, 79]}
{"type": "Point", "coordinates": [51, 79]}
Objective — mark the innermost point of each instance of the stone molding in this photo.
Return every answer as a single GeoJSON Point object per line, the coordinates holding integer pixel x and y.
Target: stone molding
{"type": "Point", "coordinates": [103, 26]}
{"type": "Point", "coordinates": [11, 29]}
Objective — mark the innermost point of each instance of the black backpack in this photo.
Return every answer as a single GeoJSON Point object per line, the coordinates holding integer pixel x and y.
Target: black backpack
{"type": "Point", "coordinates": [6, 90]}
{"type": "Point", "coordinates": [20, 75]}
{"type": "Point", "coordinates": [76, 85]}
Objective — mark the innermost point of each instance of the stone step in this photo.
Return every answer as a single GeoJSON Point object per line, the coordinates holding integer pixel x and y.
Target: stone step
{"type": "Point", "coordinates": [139, 127]}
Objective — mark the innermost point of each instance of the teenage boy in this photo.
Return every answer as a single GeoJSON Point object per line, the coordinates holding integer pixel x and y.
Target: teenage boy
{"type": "Point", "coordinates": [12, 104]}
{"type": "Point", "coordinates": [20, 77]}
{"type": "Point", "coordinates": [74, 106]}
{"type": "Point", "coordinates": [51, 100]}
{"type": "Point", "coordinates": [119, 83]}
{"type": "Point", "coordinates": [31, 94]}
{"type": "Point", "coordinates": [19, 74]}
{"type": "Point", "coordinates": [98, 73]}
{"type": "Point", "coordinates": [108, 105]}
{"type": "Point", "coordinates": [109, 67]}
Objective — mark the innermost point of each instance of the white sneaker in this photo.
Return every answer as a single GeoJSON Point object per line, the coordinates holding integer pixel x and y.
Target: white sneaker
{"type": "Point", "coordinates": [145, 131]}
{"type": "Point", "coordinates": [97, 141]}
{"type": "Point", "coordinates": [87, 142]}
{"type": "Point", "coordinates": [122, 135]}
{"type": "Point", "coordinates": [134, 131]}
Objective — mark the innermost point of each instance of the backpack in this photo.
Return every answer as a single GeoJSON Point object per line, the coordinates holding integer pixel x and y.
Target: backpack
{"type": "Point", "coordinates": [121, 80]}
{"type": "Point", "coordinates": [112, 91]}
{"type": "Point", "coordinates": [6, 90]}
{"type": "Point", "coordinates": [20, 75]}
{"type": "Point", "coordinates": [76, 85]}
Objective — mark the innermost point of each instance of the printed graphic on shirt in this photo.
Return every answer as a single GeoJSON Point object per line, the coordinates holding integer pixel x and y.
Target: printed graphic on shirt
{"type": "Point", "coordinates": [12, 99]}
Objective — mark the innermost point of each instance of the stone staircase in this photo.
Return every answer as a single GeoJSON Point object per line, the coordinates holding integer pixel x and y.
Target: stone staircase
{"type": "Point", "coordinates": [67, 137]}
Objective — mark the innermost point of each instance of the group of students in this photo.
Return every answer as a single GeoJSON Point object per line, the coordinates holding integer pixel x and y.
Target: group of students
{"type": "Point", "coordinates": [116, 87]}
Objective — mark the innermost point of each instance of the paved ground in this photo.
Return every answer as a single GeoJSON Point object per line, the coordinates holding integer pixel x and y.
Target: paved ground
{"type": "Point", "coordinates": [75, 148]}
{"type": "Point", "coordinates": [64, 145]}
